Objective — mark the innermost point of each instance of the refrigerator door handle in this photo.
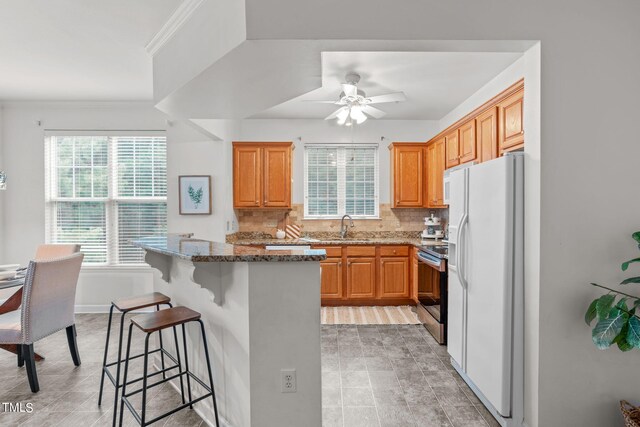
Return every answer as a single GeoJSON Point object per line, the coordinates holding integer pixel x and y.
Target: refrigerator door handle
{"type": "Point", "coordinates": [460, 249]}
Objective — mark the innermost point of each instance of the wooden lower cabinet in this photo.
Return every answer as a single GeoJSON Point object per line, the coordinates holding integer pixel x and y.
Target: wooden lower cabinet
{"type": "Point", "coordinates": [394, 277]}
{"type": "Point", "coordinates": [331, 278]}
{"type": "Point", "coordinates": [361, 278]}
{"type": "Point", "coordinates": [367, 275]}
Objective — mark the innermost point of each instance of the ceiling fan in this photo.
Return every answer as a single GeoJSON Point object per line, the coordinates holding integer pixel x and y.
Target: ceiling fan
{"type": "Point", "coordinates": [356, 106]}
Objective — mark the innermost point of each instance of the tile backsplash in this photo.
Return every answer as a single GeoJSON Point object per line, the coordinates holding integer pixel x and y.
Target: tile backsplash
{"type": "Point", "coordinates": [391, 220]}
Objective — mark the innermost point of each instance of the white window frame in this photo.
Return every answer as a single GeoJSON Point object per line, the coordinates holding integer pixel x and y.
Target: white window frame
{"type": "Point", "coordinates": [341, 198]}
{"type": "Point", "coordinates": [111, 201]}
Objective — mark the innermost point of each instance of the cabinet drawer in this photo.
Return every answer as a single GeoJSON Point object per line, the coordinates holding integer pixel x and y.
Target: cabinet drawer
{"type": "Point", "coordinates": [332, 251]}
{"type": "Point", "coordinates": [394, 251]}
{"type": "Point", "coordinates": [361, 251]}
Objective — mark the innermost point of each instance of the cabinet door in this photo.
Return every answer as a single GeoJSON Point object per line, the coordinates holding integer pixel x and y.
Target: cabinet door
{"type": "Point", "coordinates": [247, 176]}
{"type": "Point", "coordinates": [394, 277]}
{"type": "Point", "coordinates": [511, 128]}
{"type": "Point", "coordinates": [408, 178]}
{"type": "Point", "coordinates": [435, 171]}
{"type": "Point", "coordinates": [452, 150]}
{"type": "Point", "coordinates": [361, 276]}
{"type": "Point", "coordinates": [331, 278]}
{"type": "Point", "coordinates": [487, 134]}
{"type": "Point", "coordinates": [277, 176]}
{"type": "Point", "coordinates": [467, 143]}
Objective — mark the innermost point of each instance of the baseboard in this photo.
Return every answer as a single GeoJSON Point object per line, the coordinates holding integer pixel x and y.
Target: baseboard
{"type": "Point", "coordinates": [211, 423]}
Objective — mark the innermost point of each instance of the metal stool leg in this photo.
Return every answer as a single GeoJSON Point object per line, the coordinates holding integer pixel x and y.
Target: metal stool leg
{"type": "Point", "coordinates": [206, 355]}
{"type": "Point", "coordinates": [144, 381]}
{"type": "Point", "coordinates": [175, 336]}
{"type": "Point", "coordinates": [104, 360]}
{"type": "Point", "coordinates": [164, 376]}
{"type": "Point", "coordinates": [186, 363]}
{"type": "Point", "coordinates": [126, 371]}
{"type": "Point", "coordinates": [115, 399]}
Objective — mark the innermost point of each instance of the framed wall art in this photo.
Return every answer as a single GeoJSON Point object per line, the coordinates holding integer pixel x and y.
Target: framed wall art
{"type": "Point", "coordinates": [195, 194]}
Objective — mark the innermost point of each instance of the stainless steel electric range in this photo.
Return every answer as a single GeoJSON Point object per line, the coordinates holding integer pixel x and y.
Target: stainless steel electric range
{"type": "Point", "coordinates": [432, 290]}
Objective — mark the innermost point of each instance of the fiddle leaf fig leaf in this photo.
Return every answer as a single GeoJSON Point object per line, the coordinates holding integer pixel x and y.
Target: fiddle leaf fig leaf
{"type": "Point", "coordinates": [631, 280]}
{"type": "Point", "coordinates": [633, 334]}
{"type": "Point", "coordinates": [591, 312]}
{"type": "Point", "coordinates": [606, 331]}
{"type": "Point", "coordinates": [621, 339]}
{"type": "Point", "coordinates": [636, 236]}
{"type": "Point", "coordinates": [625, 265]}
{"type": "Point", "coordinates": [604, 305]}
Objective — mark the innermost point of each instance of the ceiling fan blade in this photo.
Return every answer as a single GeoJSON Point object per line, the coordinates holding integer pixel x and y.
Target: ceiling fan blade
{"type": "Point", "coordinates": [322, 102]}
{"type": "Point", "coordinates": [373, 111]}
{"type": "Point", "coordinates": [389, 97]}
{"type": "Point", "coordinates": [349, 90]}
{"type": "Point", "coordinates": [335, 113]}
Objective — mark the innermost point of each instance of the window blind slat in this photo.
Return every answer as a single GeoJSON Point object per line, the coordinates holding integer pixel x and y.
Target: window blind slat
{"type": "Point", "coordinates": [104, 191]}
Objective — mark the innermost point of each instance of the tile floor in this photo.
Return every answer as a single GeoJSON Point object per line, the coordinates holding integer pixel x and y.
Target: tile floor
{"type": "Point", "coordinates": [373, 375]}
{"type": "Point", "coordinates": [392, 375]}
{"type": "Point", "coordinates": [68, 395]}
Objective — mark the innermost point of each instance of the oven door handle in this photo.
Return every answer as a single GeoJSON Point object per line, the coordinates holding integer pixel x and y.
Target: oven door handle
{"type": "Point", "coordinates": [431, 263]}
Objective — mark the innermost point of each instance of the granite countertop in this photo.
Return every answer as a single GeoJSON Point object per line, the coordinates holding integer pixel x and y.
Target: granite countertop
{"type": "Point", "coordinates": [196, 250]}
{"type": "Point", "coordinates": [339, 242]}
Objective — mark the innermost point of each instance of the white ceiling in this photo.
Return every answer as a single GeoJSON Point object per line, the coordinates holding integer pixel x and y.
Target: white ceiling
{"type": "Point", "coordinates": [434, 82]}
{"type": "Point", "coordinates": [80, 50]}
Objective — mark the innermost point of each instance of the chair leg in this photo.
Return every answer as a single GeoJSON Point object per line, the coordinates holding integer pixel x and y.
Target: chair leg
{"type": "Point", "coordinates": [124, 379]}
{"type": "Point", "coordinates": [164, 375]}
{"type": "Point", "coordinates": [106, 351]}
{"type": "Point", "coordinates": [175, 337]}
{"type": "Point", "coordinates": [20, 357]}
{"type": "Point", "coordinates": [30, 360]}
{"type": "Point", "coordinates": [186, 364]}
{"type": "Point", "coordinates": [73, 344]}
{"type": "Point", "coordinates": [206, 355]}
{"type": "Point", "coordinates": [117, 386]}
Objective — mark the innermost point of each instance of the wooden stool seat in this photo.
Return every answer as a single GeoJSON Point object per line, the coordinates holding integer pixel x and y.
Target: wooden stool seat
{"type": "Point", "coordinates": [163, 319]}
{"type": "Point", "coordinates": [141, 301]}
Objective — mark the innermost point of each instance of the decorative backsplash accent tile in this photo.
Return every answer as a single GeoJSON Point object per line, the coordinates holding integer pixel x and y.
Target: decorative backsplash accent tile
{"type": "Point", "coordinates": [264, 223]}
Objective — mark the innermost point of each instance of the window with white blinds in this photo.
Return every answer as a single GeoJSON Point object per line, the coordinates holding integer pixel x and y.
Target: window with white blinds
{"type": "Point", "coordinates": [341, 180]}
{"type": "Point", "coordinates": [104, 191]}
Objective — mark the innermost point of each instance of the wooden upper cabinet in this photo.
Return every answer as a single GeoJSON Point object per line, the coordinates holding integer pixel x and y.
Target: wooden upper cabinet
{"type": "Point", "coordinates": [262, 175]}
{"type": "Point", "coordinates": [511, 126]}
{"type": "Point", "coordinates": [452, 149]}
{"type": "Point", "coordinates": [408, 175]}
{"type": "Point", "coordinates": [467, 143]}
{"type": "Point", "coordinates": [487, 134]}
{"type": "Point", "coordinates": [435, 173]}
{"type": "Point", "coordinates": [247, 176]}
{"type": "Point", "coordinates": [277, 176]}
{"type": "Point", "coordinates": [361, 278]}
{"type": "Point", "coordinates": [331, 278]}
{"type": "Point", "coordinates": [394, 277]}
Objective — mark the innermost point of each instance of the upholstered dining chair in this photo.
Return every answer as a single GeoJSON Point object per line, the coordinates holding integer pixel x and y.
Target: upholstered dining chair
{"type": "Point", "coordinates": [48, 301]}
{"type": "Point", "coordinates": [50, 251]}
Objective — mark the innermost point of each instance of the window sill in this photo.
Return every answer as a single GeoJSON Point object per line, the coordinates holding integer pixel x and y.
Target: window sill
{"type": "Point", "coordinates": [332, 218]}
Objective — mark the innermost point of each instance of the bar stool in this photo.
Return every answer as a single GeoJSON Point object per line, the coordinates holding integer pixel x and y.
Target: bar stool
{"type": "Point", "coordinates": [157, 321]}
{"type": "Point", "coordinates": [125, 306]}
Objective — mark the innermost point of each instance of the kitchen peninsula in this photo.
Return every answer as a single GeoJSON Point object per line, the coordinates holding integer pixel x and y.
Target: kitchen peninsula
{"type": "Point", "coordinates": [261, 310]}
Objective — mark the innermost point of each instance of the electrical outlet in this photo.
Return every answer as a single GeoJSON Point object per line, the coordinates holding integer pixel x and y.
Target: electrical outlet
{"type": "Point", "coordinates": [288, 381]}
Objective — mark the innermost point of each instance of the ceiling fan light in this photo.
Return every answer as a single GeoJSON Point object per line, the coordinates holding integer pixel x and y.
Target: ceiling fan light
{"type": "Point", "coordinates": [342, 115]}
{"type": "Point", "coordinates": [357, 114]}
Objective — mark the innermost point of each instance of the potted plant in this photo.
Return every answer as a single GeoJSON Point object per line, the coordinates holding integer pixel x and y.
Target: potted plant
{"type": "Point", "coordinates": [618, 323]}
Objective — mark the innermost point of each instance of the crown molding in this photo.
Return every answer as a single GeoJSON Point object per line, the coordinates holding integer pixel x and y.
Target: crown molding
{"type": "Point", "coordinates": [173, 24]}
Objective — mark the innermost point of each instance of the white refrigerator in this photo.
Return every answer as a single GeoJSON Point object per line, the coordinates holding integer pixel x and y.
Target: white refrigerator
{"type": "Point", "coordinates": [485, 317]}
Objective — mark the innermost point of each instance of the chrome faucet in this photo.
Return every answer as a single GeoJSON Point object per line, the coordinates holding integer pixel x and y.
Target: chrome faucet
{"type": "Point", "coordinates": [343, 228]}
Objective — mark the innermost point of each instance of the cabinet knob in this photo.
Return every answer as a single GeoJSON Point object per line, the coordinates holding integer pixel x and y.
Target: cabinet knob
{"type": "Point", "coordinates": [522, 131]}
{"type": "Point", "coordinates": [394, 251]}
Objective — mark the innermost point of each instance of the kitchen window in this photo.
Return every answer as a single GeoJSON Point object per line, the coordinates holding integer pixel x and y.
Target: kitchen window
{"type": "Point", "coordinates": [104, 190]}
{"type": "Point", "coordinates": [339, 180]}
